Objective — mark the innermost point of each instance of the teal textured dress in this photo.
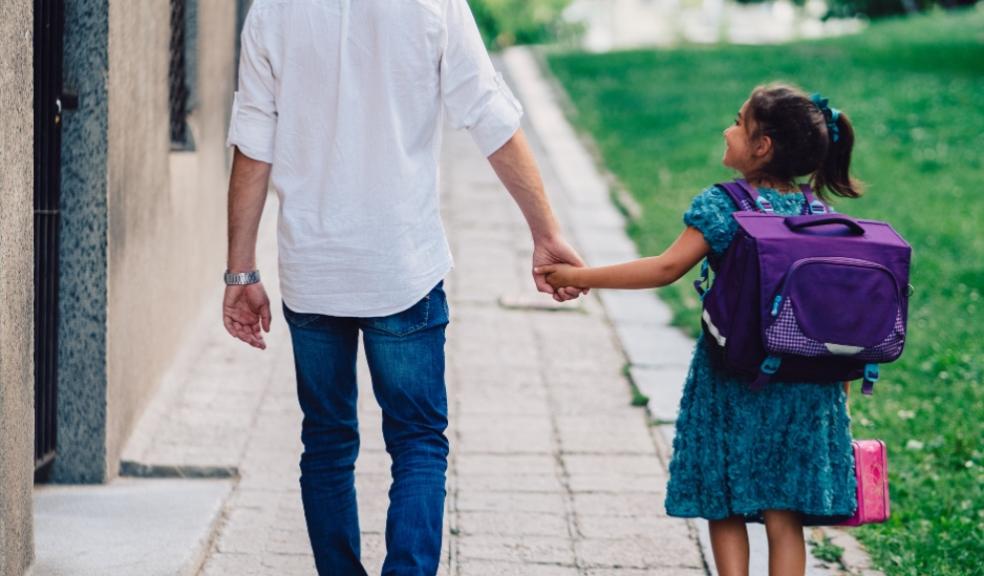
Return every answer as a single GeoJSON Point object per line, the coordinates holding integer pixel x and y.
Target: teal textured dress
{"type": "Point", "coordinates": [738, 452]}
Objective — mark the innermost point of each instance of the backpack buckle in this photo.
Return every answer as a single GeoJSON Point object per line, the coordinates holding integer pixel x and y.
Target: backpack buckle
{"type": "Point", "coordinates": [775, 305]}
{"type": "Point", "coordinates": [870, 377]}
{"type": "Point", "coordinates": [771, 365]}
{"type": "Point", "coordinates": [768, 368]}
{"type": "Point", "coordinates": [703, 283]}
{"type": "Point", "coordinates": [764, 205]}
{"type": "Point", "coordinates": [818, 207]}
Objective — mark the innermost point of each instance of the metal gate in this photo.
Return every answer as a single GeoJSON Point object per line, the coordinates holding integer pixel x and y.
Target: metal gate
{"type": "Point", "coordinates": [48, 106]}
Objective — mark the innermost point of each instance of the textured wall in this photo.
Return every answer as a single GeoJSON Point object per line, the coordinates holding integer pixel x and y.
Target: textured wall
{"type": "Point", "coordinates": [16, 286]}
{"type": "Point", "coordinates": [143, 234]}
{"type": "Point", "coordinates": [81, 450]}
{"type": "Point", "coordinates": [166, 209]}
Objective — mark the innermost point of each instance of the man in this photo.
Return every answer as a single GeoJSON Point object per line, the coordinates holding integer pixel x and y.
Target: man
{"type": "Point", "coordinates": [341, 102]}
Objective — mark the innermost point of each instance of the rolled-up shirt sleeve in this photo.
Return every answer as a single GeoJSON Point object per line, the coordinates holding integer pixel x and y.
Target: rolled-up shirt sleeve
{"type": "Point", "coordinates": [253, 124]}
{"type": "Point", "coordinates": [475, 95]}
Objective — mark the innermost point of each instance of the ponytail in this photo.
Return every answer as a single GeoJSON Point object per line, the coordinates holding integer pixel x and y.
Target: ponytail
{"type": "Point", "coordinates": [833, 175]}
{"type": "Point", "coordinates": [809, 138]}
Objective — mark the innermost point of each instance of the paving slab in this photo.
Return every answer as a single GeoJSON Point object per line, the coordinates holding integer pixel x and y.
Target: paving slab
{"type": "Point", "coordinates": [670, 549]}
{"type": "Point", "coordinates": [663, 385]}
{"type": "Point", "coordinates": [511, 523]}
{"type": "Point", "coordinates": [624, 434]}
{"type": "Point", "coordinates": [517, 548]}
{"type": "Point", "coordinates": [130, 526]}
{"type": "Point", "coordinates": [661, 571]}
{"type": "Point", "coordinates": [488, 568]}
{"type": "Point", "coordinates": [617, 484]}
{"type": "Point", "coordinates": [648, 345]}
{"type": "Point", "coordinates": [635, 307]}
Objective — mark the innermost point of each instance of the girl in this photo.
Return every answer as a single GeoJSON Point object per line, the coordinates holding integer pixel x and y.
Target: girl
{"type": "Point", "coordinates": [782, 454]}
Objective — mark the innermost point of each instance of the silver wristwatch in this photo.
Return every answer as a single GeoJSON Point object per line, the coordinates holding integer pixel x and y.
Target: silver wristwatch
{"type": "Point", "coordinates": [242, 278]}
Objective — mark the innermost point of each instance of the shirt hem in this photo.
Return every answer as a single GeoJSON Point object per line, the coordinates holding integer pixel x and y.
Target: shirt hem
{"type": "Point", "coordinates": [343, 312]}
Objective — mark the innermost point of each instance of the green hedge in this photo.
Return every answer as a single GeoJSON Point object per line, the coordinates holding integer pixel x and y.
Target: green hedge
{"type": "Point", "coordinates": [508, 22]}
{"type": "Point", "coordinates": [879, 8]}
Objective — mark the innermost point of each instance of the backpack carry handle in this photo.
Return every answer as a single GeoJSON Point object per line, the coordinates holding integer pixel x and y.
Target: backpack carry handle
{"type": "Point", "coordinates": [797, 223]}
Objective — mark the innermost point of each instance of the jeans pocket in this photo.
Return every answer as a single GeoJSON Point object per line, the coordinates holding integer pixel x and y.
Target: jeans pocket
{"type": "Point", "coordinates": [299, 319]}
{"type": "Point", "coordinates": [429, 311]}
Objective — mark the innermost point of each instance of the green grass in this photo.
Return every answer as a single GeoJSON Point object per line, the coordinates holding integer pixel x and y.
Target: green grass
{"type": "Point", "coordinates": [824, 549]}
{"type": "Point", "coordinates": [914, 89]}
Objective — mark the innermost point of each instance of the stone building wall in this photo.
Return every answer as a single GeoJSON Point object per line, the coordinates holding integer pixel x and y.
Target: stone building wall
{"type": "Point", "coordinates": [16, 286]}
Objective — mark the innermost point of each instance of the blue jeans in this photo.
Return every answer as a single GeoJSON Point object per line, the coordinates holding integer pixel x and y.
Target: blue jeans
{"type": "Point", "coordinates": [406, 359]}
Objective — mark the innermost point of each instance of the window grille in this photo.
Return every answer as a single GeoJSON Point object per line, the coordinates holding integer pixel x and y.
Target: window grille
{"type": "Point", "coordinates": [49, 102]}
{"type": "Point", "coordinates": [178, 89]}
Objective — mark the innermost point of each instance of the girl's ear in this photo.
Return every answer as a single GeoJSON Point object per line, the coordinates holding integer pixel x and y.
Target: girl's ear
{"type": "Point", "coordinates": [762, 148]}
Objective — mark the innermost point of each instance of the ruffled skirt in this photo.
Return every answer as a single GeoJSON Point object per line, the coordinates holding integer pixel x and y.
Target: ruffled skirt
{"type": "Point", "coordinates": [738, 452]}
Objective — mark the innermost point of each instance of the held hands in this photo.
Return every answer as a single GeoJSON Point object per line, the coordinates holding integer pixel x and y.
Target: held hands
{"type": "Point", "coordinates": [561, 276]}
{"type": "Point", "coordinates": [245, 310]}
{"type": "Point", "coordinates": [553, 254]}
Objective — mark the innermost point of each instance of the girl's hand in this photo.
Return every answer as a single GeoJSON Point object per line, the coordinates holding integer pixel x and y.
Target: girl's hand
{"type": "Point", "coordinates": [555, 251]}
{"type": "Point", "coordinates": [559, 275]}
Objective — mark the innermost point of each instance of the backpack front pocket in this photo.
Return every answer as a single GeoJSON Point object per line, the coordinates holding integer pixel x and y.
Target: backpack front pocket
{"type": "Point", "coordinates": [835, 306]}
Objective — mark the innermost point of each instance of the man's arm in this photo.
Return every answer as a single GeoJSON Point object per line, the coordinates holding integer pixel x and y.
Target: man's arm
{"type": "Point", "coordinates": [246, 309]}
{"type": "Point", "coordinates": [475, 97]}
{"type": "Point", "coordinates": [516, 168]}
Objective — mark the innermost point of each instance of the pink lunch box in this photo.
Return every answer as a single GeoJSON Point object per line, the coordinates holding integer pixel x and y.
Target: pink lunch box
{"type": "Point", "coordinates": [871, 472]}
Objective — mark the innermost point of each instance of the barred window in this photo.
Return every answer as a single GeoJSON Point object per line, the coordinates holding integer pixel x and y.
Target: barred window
{"type": "Point", "coordinates": [242, 8]}
{"type": "Point", "coordinates": [182, 71]}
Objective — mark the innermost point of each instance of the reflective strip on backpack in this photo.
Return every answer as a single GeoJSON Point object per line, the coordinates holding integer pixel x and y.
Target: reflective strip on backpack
{"type": "Point", "coordinates": [715, 333]}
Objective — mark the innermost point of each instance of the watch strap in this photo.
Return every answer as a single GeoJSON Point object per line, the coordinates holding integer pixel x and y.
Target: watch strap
{"type": "Point", "coordinates": [241, 278]}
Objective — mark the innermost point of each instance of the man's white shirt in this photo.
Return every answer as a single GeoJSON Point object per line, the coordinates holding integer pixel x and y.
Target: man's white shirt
{"type": "Point", "coordinates": [346, 99]}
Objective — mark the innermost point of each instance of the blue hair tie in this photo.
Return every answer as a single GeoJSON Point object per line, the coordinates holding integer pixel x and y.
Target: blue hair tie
{"type": "Point", "coordinates": [830, 115]}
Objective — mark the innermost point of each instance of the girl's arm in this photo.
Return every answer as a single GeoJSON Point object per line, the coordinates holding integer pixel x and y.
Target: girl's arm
{"type": "Point", "coordinates": [685, 252]}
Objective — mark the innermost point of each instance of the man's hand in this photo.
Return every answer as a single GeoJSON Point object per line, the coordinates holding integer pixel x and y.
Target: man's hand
{"type": "Point", "coordinates": [245, 310]}
{"type": "Point", "coordinates": [555, 251]}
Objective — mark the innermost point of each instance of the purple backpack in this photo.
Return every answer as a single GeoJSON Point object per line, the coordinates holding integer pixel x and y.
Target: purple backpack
{"type": "Point", "coordinates": [819, 297]}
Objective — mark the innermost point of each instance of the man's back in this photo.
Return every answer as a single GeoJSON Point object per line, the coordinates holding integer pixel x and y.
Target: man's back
{"type": "Point", "coordinates": [345, 99]}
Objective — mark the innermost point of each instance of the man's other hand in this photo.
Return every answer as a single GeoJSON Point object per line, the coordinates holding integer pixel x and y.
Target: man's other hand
{"type": "Point", "coordinates": [245, 312]}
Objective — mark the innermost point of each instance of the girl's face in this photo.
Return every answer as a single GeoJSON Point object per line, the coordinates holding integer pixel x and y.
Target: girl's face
{"type": "Point", "coordinates": [741, 152]}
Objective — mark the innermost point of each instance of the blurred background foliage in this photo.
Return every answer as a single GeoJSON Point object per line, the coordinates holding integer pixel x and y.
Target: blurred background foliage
{"type": "Point", "coordinates": [879, 8]}
{"type": "Point", "coordinates": [506, 23]}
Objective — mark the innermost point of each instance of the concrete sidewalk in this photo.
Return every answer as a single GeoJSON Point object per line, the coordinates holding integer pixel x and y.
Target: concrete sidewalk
{"type": "Point", "coordinates": [552, 471]}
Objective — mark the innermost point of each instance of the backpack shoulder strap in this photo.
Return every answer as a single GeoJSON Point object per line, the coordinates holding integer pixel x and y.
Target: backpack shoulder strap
{"type": "Point", "coordinates": [739, 193]}
{"type": "Point", "coordinates": [743, 200]}
{"type": "Point", "coordinates": [812, 204]}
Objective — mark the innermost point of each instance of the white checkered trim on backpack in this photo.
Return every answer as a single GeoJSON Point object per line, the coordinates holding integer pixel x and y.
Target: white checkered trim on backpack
{"type": "Point", "coordinates": [785, 336]}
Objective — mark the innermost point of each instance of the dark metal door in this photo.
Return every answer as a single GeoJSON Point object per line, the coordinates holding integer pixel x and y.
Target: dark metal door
{"type": "Point", "coordinates": [48, 108]}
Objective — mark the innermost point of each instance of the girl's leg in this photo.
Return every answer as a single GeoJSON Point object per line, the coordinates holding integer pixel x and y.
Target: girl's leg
{"type": "Point", "coordinates": [787, 549]}
{"type": "Point", "coordinates": [729, 539]}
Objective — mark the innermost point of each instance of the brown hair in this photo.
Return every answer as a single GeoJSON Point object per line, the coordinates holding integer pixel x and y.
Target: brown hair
{"type": "Point", "coordinates": [801, 141]}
